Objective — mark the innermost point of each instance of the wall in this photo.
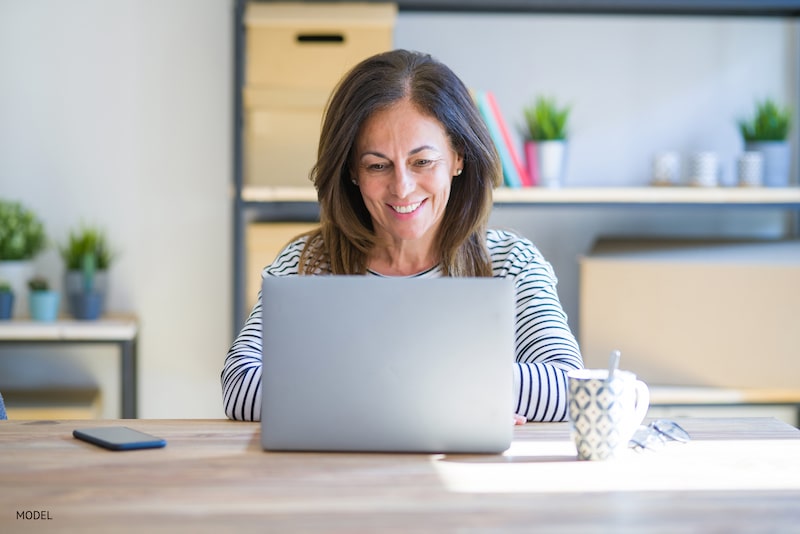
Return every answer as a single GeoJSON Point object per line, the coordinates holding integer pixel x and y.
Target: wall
{"type": "Point", "coordinates": [637, 85]}
{"type": "Point", "coordinates": [119, 113]}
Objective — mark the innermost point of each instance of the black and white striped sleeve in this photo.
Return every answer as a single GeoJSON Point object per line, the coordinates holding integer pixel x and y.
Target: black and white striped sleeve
{"type": "Point", "coordinates": [546, 349]}
{"type": "Point", "coordinates": [241, 373]}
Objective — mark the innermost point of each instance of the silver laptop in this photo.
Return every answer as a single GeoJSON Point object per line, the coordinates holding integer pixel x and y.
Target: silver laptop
{"type": "Point", "coordinates": [364, 363]}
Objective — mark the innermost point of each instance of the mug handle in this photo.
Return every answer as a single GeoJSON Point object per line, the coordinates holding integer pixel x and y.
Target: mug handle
{"type": "Point", "coordinates": [642, 402]}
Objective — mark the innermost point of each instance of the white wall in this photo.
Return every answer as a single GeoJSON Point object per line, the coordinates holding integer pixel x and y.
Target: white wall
{"type": "Point", "coordinates": [119, 113]}
{"type": "Point", "coordinates": [637, 85]}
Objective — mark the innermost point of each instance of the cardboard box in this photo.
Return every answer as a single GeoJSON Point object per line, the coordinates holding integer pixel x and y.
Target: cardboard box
{"type": "Point", "coordinates": [311, 45]}
{"type": "Point", "coordinates": [694, 313]}
{"type": "Point", "coordinates": [263, 242]}
{"type": "Point", "coordinates": [281, 135]}
{"type": "Point", "coordinates": [296, 53]}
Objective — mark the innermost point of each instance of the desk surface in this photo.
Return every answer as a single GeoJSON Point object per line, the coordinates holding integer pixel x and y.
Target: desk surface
{"type": "Point", "coordinates": [737, 475]}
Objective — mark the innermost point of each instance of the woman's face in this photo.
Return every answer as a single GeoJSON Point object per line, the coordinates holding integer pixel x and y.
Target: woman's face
{"type": "Point", "coordinates": [405, 165]}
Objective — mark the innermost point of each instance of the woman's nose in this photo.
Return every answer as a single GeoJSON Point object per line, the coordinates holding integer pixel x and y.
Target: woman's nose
{"type": "Point", "coordinates": [403, 183]}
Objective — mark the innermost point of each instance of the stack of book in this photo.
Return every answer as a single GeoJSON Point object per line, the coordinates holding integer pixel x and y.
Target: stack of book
{"type": "Point", "coordinates": [515, 173]}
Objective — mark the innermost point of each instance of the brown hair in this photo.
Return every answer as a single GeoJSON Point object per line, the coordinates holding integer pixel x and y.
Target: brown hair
{"type": "Point", "coordinates": [346, 236]}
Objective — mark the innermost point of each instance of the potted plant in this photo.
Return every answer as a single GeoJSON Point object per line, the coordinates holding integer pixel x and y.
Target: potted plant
{"type": "Point", "coordinates": [6, 300]}
{"type": "Point", "coordinates": [43, 300]}
{"type": "Point", "coordinates": [546, 143]}
{"type": "Point", "coordinates": [87, 258]}
{"type": "Point", "coordinates": [767, 132]}
{"type": "Point", "coordinates": [22, 237]}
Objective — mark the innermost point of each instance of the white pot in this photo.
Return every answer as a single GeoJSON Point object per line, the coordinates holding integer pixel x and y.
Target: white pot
{"type": "Point", "coordinates": [17, 273]}
{"type": "Point", "coordinates": [552, 157]}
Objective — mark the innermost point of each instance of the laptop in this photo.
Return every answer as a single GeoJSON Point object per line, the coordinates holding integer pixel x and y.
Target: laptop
{"type": "Point", "coordinates": [374, 364]}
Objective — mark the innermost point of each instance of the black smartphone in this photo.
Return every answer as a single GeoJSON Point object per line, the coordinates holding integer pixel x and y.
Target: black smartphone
{"type": "Point", "coordinates": [119, 438]}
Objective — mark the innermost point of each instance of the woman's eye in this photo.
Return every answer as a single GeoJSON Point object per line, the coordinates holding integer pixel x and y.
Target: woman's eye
{"type": "Point", "coordinates": [376, 167]}
{"type": "Point", "coordinates": [423, 162]}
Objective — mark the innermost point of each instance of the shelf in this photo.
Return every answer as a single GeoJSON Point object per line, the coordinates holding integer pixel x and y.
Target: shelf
{"type": "Point", "coordinates": [602, 196]}
{"type": "Point", "coordinates": [121, 328]}
{"type": "Point", "coordinates": [752, 8]}
{"type": "Point", "coordinates": [700, 196]}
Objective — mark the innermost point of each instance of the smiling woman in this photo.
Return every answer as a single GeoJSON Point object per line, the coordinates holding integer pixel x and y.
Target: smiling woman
{"type": "Point", "coordinates": [404, 179]}
{"type": "Point", "coordinates": [405, 165]}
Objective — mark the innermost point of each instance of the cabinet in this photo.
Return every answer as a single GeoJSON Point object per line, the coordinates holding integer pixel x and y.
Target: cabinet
{"type": "Point", "coordinates": [264, 203]}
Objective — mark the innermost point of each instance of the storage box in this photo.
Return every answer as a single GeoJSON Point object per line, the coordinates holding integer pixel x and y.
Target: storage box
{"type": "Point", "coordinates": [311, 45]}
{"type": "Point", "coordinates": [296, 53]}
{"type": "Point", "coordinates": [281, 134]}
{"type": "Point", "coordinates": [264, 241]}
{"type": "Point", "coordinates": [694, 313]}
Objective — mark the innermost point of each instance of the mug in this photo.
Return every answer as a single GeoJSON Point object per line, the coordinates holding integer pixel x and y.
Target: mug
{"type": "Point", "coordinates": [704, 169]}
{"type": "Point", "coordinates": [666, 168]}
{"type": "Point", "coordinates": [750, 169]}
{"type": "Point", "coordinates": [603, 413]}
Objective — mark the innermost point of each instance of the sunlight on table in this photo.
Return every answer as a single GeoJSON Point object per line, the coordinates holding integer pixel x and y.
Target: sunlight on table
{"type": "Point", "coordinates": [698, 465]}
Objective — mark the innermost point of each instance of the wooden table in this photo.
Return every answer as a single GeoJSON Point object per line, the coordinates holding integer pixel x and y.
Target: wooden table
{"type": "Point", "coordinates": [737, 475]}
{"type": "Point", "coordinates": [121, 331]}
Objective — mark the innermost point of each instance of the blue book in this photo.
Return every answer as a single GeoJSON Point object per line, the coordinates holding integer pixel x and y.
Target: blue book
{"type": "Point", "coordinates": [511, 177]}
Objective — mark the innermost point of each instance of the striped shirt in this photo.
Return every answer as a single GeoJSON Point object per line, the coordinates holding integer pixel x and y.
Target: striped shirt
{"type": "Point", "coordinates": [545, 347]}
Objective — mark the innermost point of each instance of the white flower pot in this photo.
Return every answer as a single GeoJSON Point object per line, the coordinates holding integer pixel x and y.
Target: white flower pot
{"type": "Point", "coordinates": [552, 158]}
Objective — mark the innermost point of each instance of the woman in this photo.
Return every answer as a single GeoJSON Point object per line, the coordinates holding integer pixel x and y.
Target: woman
{"type": "Point", "coordinates": [404, 176]}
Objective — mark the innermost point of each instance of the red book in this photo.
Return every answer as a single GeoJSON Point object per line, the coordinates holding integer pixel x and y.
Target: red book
{"type": "Point", "coordinates": [501, 125]}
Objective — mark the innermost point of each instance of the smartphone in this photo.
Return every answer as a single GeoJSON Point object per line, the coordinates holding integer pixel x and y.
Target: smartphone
{"type": "Point", "coordinates": [119, 438]}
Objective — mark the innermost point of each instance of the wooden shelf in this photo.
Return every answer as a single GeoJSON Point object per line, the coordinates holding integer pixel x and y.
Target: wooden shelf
{"type": "Point", "coordinates": [121, 328]}
{"type": "Point", "coordinates": [603, 196]}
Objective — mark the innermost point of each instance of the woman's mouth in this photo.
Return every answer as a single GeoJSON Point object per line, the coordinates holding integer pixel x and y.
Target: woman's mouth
{"type": "Point", "coordinates": [406, 208]}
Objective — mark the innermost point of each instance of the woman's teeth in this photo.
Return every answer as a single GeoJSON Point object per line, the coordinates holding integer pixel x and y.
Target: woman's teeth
{"type": "Point", "coordinates": [408, 208]}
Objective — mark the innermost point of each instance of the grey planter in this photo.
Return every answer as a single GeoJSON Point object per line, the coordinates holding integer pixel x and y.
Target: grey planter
{"type": "Point", "coordinates": [777, 157]}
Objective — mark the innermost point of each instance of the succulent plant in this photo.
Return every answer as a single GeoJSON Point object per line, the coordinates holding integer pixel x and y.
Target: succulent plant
{"type": "Point", "coordinates": [22, 234]}
{"type": "Point", "coordinates": [83, 242]}
{"type": "Point", "coordinates": [771, 122]}
{"type": "Point", "coordinates": [546, 120]}
{"type": "Point", "coordinates": [38, 283]}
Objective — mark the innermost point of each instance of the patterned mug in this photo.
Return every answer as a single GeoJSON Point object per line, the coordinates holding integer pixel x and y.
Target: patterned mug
{"type": "Point", "coordinates": [603, 413]}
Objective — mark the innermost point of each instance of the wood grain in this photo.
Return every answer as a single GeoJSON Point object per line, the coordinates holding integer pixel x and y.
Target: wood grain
{"type": "Point", "coordinates": [736, 475]}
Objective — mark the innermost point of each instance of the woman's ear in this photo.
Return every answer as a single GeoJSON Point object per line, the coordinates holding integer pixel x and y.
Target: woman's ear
{"type": "Point", "coordinates": [458, 165]}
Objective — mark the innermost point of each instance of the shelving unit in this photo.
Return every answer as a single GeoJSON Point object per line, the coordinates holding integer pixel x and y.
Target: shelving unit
{"type": "Point", "coordinates": [260, 203]}
{"type": "Point", "coordinates": [573, 196]}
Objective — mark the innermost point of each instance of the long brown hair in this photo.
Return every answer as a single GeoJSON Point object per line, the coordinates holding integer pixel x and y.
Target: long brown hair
{"type": "Point", "coordinates": [346, 235]}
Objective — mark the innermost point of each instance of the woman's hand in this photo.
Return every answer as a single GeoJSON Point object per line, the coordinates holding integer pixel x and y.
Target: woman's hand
{"type": "Point", "coordinates": [519, 419]}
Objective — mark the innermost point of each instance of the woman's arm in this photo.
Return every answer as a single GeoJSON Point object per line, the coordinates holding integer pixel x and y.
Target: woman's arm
{"type": "Point", "coordinates": [546, 349]}
{"type": "Point", "coordinates": [241, 373]}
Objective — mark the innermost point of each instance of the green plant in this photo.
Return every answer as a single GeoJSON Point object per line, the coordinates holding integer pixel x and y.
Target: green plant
{"type": "Point", "coordinates": [38, 283]}
{"type": "Point", "coordinates": [770, 123]}
{"type": "Point", "coordinates": [546, 120]}
{"type": "Point", "coordinates": [5, 287]}
{"type": "Point", "coordinates": [86, 245]}
{"type": "Point", "coordinates": [22, 234]}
